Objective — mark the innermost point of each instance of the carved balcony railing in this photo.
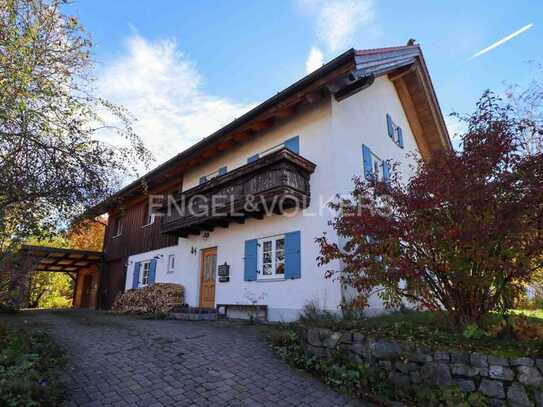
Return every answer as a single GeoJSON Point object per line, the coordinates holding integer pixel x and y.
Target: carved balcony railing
{"type": "Point", "coordinates": [270, 185]}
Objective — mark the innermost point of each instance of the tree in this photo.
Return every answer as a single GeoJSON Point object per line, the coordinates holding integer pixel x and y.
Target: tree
{"type": "Point", "coordinates": [463, 234]}
{"type": "Point", "coordinates": [60, 148]}
{"type": "Point", "coordinates": [87, 234]}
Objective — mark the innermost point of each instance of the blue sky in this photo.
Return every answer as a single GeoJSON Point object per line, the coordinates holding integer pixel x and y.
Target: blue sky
{"type": "Point", "coordinates": [184, 68]}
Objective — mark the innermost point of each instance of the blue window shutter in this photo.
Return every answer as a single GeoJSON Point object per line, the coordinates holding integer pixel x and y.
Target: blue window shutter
{"type": "Point", "coordinates": [400, 136]}
{"type": "Point", "coordinates": [152, 271]}
{"type": "Point", "coordinates": [368, 164]}
{"type": "Point", "coordinates": [250, 260]}
{"type": "Point", "coordinates": [293, 260]}
{"type": "Point", "coordinates": [136, 275]}
{"type": "Point", "coordinates": [386, 171]}
{"type": "Point", "coordinates": [390, 127]}
{"type": "Point", "coordinates": [222, 170]}
{"type": "Point", "coordinates": [203, 179]}
{"type": "Point", "coordinates": [252, 158]}
{"type": "Point", "coordinates": [293, 144]}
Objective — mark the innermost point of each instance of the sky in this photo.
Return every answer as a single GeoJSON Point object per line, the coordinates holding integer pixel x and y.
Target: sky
{"type": "Point", "coordinates": [186, 68]}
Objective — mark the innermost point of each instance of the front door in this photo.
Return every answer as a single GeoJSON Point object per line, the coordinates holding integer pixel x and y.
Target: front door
{"type": "Point", "coordinates": [208, 270]}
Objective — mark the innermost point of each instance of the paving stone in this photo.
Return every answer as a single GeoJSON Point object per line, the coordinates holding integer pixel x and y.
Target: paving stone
{"type": "Point", "coordinates": [124, 361]}
{"type": "Point", "coordinates": [465, 385]}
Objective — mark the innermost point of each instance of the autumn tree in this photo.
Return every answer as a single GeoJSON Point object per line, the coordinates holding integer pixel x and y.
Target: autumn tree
{"type": "Point", "coordinates": [463, 234]}
{"type": "Point", "coordinates": [62, 148]}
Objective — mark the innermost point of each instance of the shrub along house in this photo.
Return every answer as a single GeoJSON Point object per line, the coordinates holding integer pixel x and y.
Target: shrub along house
{"type": "Point", "coordinates": [267, 177]}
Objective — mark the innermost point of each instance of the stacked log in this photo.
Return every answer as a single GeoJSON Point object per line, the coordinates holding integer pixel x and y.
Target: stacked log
{"type": "Point", "coordinates": [154, 298]}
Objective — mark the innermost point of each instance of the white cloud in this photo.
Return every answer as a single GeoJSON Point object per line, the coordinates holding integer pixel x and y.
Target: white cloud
{"type": "Point", "coordinates": [314, 61]}
{"type": "Point", "coordinates": [162, 89]}
{"type": "Point", "coordinates": [502, 41]}
{"type": "Point", "coordinates": [339, 20]}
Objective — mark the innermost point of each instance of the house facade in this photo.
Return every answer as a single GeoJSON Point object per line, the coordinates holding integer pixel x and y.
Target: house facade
{"type": "Point", "coordinates": [234, 218]}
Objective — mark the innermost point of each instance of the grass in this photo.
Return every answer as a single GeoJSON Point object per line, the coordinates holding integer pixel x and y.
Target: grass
{"type": "Point", "coordinates": [435, 330]}
{"type": "Point", "coordinates": [30, 366]}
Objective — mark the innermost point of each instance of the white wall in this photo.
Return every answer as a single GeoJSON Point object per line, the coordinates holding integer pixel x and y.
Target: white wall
{"type": "Point", "coordinates": [331, 135]}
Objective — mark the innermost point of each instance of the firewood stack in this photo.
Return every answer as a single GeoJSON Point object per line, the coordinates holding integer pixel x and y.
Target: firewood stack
{"type": "Point", "coordinates": [155, 298]}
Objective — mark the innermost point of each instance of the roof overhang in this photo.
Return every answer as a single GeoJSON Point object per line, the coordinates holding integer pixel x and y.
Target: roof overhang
{"type": "Point", "coordinates": [62, 260]}
{"type": "Point", "coordinates": [345, 75]}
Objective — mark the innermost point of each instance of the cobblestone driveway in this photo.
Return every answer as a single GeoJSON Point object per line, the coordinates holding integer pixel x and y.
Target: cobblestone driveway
{"type": "Point", "coordinates": [121, 361]}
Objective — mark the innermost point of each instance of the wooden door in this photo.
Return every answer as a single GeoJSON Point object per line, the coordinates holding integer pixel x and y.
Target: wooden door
{"type": "Point", "coordinates": [87, 289]}
{"type": "Point", "coordinates": [208, 270]}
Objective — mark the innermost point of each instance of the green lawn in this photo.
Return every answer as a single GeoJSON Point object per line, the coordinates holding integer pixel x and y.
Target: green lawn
{"type": "Point", "coordinates": [435, 330]}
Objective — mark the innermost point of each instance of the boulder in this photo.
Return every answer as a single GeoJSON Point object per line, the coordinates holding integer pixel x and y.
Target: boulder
{"type": "Point", "coordinates": [529, 376]}
{"type": "Point", "coordinates": [384, 349]}
{"type": "Point", "coordinates": [460, 369]}
{"type": "Point", "coordinates": [436, 374]}
{"type": "Point", "coordinates": [465, 385]}
{"type": "Point", "coordinates": [492, 388]}
{"type": "Point", "coordinates": [501, 373]}
{"type": "Point", "coordinates": [517, 396]}
{"type": "Point", "coordinates": [522, 362]}
{"type": "Point", "coordinates": [479, 360]}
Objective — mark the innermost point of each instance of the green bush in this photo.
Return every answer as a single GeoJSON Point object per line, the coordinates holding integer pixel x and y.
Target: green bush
{"type": "Point", "coordinates": [30, 364]}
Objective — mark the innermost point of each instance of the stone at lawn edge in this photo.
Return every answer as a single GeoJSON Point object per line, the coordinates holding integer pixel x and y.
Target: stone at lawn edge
{"type": "Point", "coordinates": [436, 374]}
{"type": "Point", "coordinates": [420, 356]}
{"type": "Point", "coordinates": [529, 376]}
{"type": "Point", "coordinates": [497, 361]}
{"type": "Point", "coordinates": [522, 362]}
{"type": "Point", "coordinates": [385, 350]}
{"type": "Point", "coordinates": [460, 357]}
{"type": "Point", "coordinates": [501, 373]}
{"type": "Point", "coordinates": [442, 356]}
{"type": "Point", "coordinates": [459, 369]}
{"type": "Point", "coordinates": [465, 385]}
{"type": "Point", "coordinates": [331, 341]}
{"type": "Point", "coordinates": [538, 397]}
{"type": "Point", "coordinates": [415, 377]}
{"type": "Point", "coordinates": [405, 367]}
{"type": "Point", "coordinates": [479, 360]}
{"type": "Point", "coordinates": [539, 364]}
{"type": "Point", "coordinates": [314, 336]}
{"type": "Point", "coordinates": [492, 388]}
{"type": "Point", "coordinates": [516, 396]}
{"type": "Point", "coordinates": [496, 403]}
{"type": "Point", "coordinates": [399, 379]}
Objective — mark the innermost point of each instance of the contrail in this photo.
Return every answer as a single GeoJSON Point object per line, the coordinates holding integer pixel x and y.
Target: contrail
{"type": "Point", "coordinates": [502, 41]}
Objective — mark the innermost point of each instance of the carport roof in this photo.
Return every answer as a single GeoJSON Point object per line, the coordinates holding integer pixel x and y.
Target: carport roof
{"type": "Point", "coordinates": [62, 260]}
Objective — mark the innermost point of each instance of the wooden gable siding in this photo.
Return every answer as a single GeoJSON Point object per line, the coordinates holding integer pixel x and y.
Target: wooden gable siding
{"type": "Point", "coordinates": [135, 237]}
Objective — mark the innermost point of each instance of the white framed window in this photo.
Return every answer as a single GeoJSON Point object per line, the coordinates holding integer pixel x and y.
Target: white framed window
{"type": "Point", "coordinates": [377, 167]}
{"type": "Point", "coordinates": [117, 227]}
{"type": "Point", "coordinates": [171, 263]}
{"type": "Point", "coordinates": [145, 267]}
{"type": "Point", "coordinates": [271, 257]}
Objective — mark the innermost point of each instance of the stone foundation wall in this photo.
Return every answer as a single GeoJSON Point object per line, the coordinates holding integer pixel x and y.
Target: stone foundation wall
{"type": "Point", "coordinates": [517, 381]}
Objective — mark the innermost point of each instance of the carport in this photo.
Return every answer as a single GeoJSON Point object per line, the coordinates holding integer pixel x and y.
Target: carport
{"type": "Point", "coordinates": [83, 266]}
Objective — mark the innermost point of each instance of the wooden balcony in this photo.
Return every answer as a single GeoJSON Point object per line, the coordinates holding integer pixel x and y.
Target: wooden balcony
{"type": "Point", "coordinates": [270, 185]}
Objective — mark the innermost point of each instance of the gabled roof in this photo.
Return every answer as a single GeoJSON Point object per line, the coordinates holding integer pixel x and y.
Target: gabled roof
{"type": "Point", "coordinates": [346, 74]}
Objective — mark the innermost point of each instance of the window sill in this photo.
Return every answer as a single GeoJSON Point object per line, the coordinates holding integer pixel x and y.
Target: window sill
{"type": "Point", "coordinates": [117, 236]}
{"type": "Point", "coordinates": [149, 224]}
{"type": "Point", "coordinates": [270, 279]}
